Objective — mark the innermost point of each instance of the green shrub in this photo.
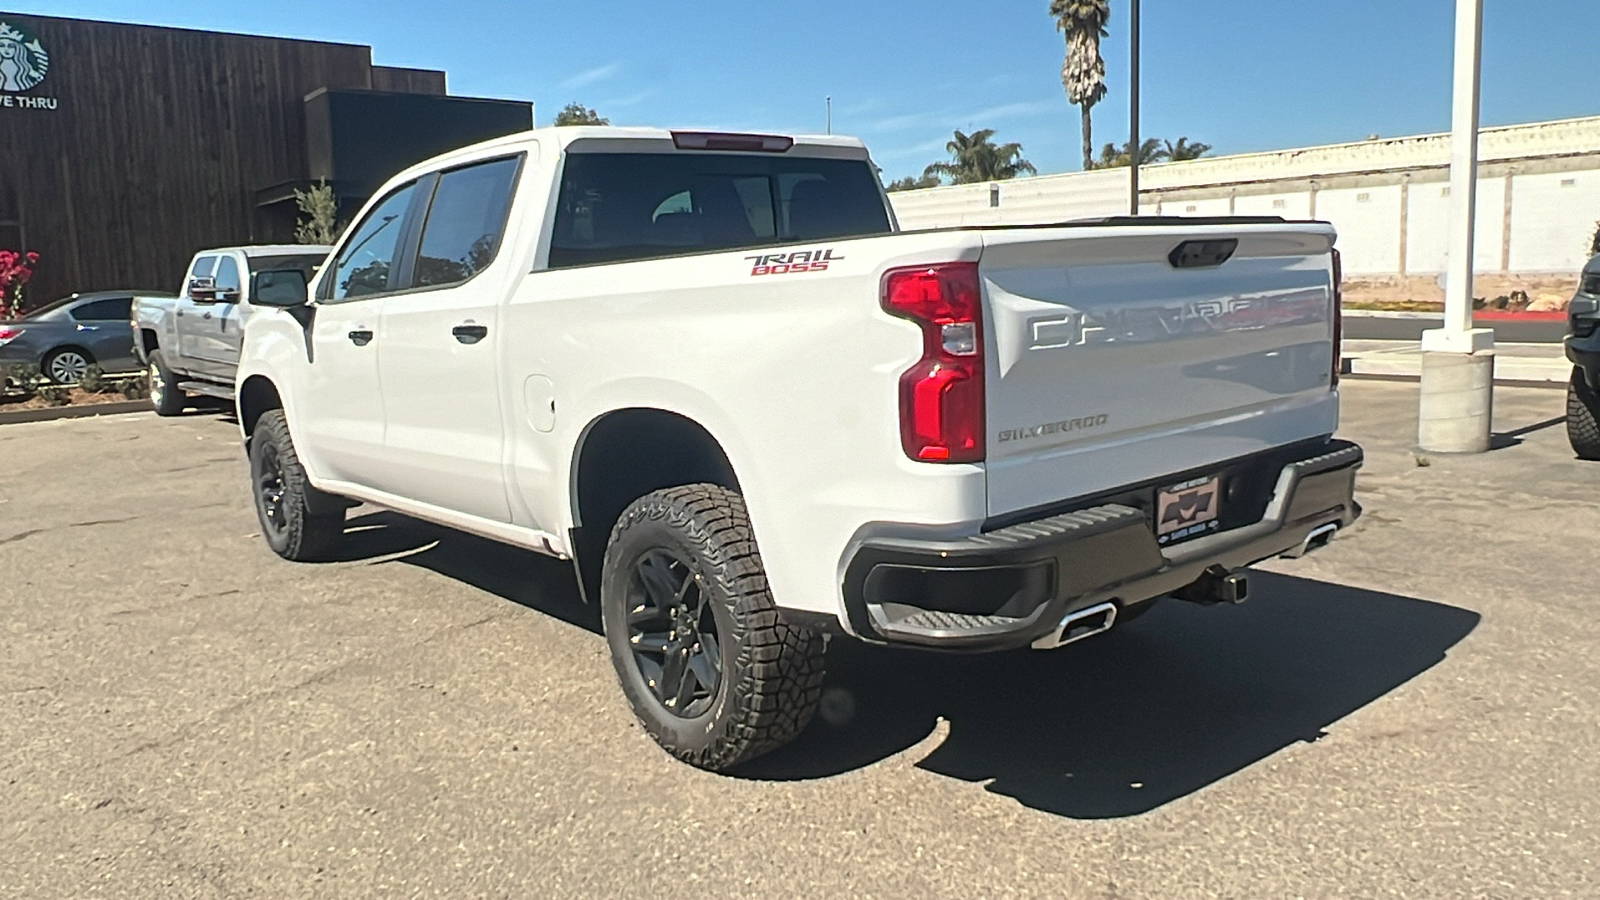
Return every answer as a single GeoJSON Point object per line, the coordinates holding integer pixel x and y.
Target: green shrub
{"type": "Point", "coordinates": [93, 380]}
{"type": "Point", "coordinates": [23, 378]}
{"type": "Point", "coordinates": [55, 394]}
{"type": "Point", "coordinates": [136, 387]}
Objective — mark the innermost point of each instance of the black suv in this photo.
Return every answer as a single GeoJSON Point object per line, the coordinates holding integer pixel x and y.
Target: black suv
{"type": "Point", "coordinates": [1583, 348]}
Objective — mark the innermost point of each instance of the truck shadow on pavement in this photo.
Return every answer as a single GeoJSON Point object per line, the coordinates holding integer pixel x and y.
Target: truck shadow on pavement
{"type": "Point", "coordinates": [1122, 724]}
{"type": "Point", "coordinates": [1115, 726]}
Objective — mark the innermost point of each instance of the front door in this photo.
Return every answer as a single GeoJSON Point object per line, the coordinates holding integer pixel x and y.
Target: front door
{"type": "Point", "coordinates": [218, 323]}
{"type": "Point", "coordinates": [191, 322]}
{"type": "Point", "coordinates": [341, 402]}
{"type": "Point", "coordinates": [444, 437]}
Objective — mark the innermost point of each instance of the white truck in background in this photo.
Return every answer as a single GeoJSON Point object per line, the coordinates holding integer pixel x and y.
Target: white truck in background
{"type": "Point", "coordinates": [190, 344]}
{"type": "Point", "coordinates": [709, 370]}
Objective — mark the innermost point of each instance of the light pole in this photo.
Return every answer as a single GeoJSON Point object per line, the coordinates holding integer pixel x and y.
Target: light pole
{"type": "Point", "coordinates": [1133, 108]}
{"type": "Point", "coordinates": [1458, 360]}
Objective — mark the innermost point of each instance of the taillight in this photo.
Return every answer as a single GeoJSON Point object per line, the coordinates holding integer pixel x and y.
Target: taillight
{"type": "Point", "coordinates": [6, 334]}
{"type": "Point", "coordinates": [941, 397]}
{"type": "Point", "coordinates": [1338, 318]}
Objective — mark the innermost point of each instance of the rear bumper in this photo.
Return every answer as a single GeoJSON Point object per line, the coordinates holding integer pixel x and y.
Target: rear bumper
{"type": "Point", "coordinates": [1009, 587]}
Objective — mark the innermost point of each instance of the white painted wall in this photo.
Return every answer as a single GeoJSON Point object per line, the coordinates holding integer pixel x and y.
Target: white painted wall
{"type": "Point", "coordinates": [1553, 213]}
{"type": "Point", "coordinates": [1552, 220]}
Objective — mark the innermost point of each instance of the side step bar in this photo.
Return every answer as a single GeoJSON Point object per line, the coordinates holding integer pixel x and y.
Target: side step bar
{"type": "Point", "coordinates": [220, 391]}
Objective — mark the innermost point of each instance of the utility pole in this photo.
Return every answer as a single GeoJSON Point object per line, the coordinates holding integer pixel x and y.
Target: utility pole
{"type": "Point", "coordinates": [830, 113]}
{"type": "Point", "coordinates": [1133, 108]}
{"type": "Point", "coordinates": [1457, 403]}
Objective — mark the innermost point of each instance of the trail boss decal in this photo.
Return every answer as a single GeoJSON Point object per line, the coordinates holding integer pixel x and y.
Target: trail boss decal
{"type": "Point", "coordinates": [792, 263]}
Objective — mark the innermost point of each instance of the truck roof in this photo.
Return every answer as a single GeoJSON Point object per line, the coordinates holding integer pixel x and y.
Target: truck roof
{"type": "Point", "coordinates": [271, 250]}
{"type": "Point", "coordinates": [620, 139]}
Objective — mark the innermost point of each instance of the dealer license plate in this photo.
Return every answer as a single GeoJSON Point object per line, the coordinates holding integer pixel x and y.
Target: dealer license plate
{"type": "Point", "coordinates": [1188, 510]}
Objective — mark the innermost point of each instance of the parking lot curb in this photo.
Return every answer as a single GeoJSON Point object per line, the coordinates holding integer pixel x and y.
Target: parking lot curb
{"type": "Point", "coordinates": [51, 413]}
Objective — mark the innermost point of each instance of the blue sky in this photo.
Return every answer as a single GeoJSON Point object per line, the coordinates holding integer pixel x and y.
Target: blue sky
{"type": "Point", "coordinates": [1242, 75]}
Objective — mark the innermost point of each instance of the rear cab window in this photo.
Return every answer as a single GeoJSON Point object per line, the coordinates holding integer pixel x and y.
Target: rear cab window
{"type": "Point", "coordinates": [615, 207]}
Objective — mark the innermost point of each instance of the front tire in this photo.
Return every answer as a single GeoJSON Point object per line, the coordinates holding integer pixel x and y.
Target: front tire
{"type": "Point", "coordinates": [707, 661]}
{"type": "Point", "coordinates": [283, 495]}
{"type": "Point", "coordinates": [165, 395]}
{"type": "Point", "coordinates": [1583, 417]}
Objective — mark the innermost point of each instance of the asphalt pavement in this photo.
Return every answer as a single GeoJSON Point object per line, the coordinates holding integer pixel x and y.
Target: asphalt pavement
{"type": "Point", "coordinates": [1408, 713]}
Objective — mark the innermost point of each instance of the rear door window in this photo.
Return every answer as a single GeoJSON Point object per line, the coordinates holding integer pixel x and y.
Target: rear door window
{"type": "Point", "coordinates": [115, 309]}
{"type": "Point", "coordinates": [622, 206]}
{"type": "Point", "coordinates": [465, 222]}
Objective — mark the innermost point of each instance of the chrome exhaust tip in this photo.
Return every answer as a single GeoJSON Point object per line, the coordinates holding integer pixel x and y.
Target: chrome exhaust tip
{"type": "Point", "coordinates": [1079, 625]}
{"type": "Point", "coordinates": [1316, 540]}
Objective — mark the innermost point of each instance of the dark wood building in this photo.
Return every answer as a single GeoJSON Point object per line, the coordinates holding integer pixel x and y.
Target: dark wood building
{"type": "Point", "coordinates": [125, 148]}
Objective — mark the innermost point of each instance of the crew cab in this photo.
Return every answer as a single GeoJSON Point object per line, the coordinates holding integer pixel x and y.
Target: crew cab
{"type": "Point", "coordinates": [190, 343]}
{"type": "Point", "coordinates": [708, 370]}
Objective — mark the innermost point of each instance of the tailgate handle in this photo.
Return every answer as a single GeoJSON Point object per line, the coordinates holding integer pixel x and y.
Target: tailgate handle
{"type": "Point", "coordinates": [1202, 254]}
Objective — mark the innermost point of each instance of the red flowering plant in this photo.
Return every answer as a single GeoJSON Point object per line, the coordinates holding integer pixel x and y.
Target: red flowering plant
{"type": "Point", "coordinates": [15, 270]}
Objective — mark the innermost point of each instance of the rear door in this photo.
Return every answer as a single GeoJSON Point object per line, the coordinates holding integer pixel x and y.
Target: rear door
{"type": "Point", "coordinates": [102, 328]}
{"type": "Point", "coordinates": [1120, 354]}
{"type": "Point", "coordinates": [444, 438]}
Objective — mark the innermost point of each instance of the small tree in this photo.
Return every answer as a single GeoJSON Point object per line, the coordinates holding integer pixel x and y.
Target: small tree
{"type": "Point", "coordinates": [1183, 150]}
{"type": "Point", "coordinates": [914, 183]}
{"type": "Point", "coordinates": [1114, 157]}
{"type": "Point", "coordinates": [975, 157]}
{"type": "Point", "coordinates": [578, 114]}
{"type": "Point", "coordinates": [319, 222]}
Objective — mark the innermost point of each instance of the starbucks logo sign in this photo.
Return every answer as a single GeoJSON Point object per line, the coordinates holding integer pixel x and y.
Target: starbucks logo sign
{"type": "Point", "coordinates": [23, 61]}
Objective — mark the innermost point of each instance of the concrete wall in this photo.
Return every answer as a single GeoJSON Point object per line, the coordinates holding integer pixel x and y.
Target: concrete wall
{"type": "Point", "coordinates": [1538, 197]}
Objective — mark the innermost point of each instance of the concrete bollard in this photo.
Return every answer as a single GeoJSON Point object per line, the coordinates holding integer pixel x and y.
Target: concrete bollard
{"type": "Point", "coordinates": [1457, 407]}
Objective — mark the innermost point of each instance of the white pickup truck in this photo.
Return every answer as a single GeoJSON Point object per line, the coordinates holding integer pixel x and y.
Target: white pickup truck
{"type": "Point", "coordinates": [191, 343]}
{"type": "Point", "coordinates": [708, 370]}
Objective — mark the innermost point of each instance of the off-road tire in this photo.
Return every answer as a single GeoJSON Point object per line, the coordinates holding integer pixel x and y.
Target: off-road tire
{"type": "Point", "coordinates": [770, 679]}
{"type": "Point", "coordinates": [1583, 417]}
{"type": "Point", "coordinates": [296, 533]}
{"type": "Point", "coordinates": [166, 398]}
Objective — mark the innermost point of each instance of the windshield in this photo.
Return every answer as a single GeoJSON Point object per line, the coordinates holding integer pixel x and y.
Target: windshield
{"type": "Point", "coordinates": [623, 206]}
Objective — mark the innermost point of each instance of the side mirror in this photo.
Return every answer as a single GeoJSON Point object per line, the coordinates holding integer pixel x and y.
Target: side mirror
{"type": "Point", "coordinates": [1583, 306]}
{"type": "Point", "coordinates": [203, 290]}
{"type": "Point", "coordinates": [283, 288]}
{"type": "Point", "coordinates": [227, 295]}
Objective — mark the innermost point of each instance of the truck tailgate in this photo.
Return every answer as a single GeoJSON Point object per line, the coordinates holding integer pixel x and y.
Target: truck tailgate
{"type": "Point", "coordinates": [1113, 358]}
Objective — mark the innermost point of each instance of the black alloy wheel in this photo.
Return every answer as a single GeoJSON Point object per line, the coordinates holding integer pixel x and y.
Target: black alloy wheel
{"type": "Point", "coordinates": [705, 657]}
{"type": "Point", "coordinates": [270, 491]}
{"type": "Point", "coordinates": [673, 633]}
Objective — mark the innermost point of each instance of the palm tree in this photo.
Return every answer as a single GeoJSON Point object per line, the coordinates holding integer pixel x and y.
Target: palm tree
{"type": "Point", "coordinates": [1082, 24]}
{"type": "Point", "coordinates": [1183, 150]}
{"type": "Point", "coordinates": [1114, 157]}
{"type": "Point", "coordinates": [976, 158]}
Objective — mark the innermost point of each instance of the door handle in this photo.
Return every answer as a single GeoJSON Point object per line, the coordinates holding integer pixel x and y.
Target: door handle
{"type": "Point", "coordinates": [470, 334]}
{"type": "Point", "coordinates": [361, 337]}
